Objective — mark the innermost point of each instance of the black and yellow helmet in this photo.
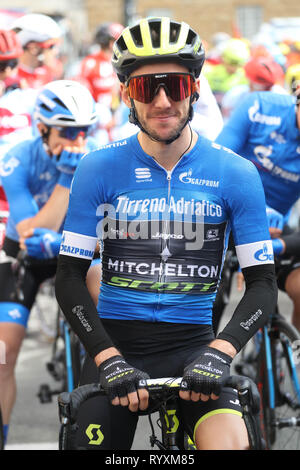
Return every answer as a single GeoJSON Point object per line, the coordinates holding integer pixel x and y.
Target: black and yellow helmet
{"type": "Point", "coordinates": [153, 40]}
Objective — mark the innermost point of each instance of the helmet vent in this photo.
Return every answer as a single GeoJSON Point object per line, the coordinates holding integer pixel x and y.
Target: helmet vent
{"type": "Point", "coordinates": [66, 119]}
{"type": "Point", "coordinates": [174, 32]}
{"type": "Point", "coordinates": [136, 34]}
{"type": "Point", "coordinates": [121, 44]}
{"type": "Point", "coordinates": [44, 106]}
{"type": "Point", "coordinates": [59, 102]}
{"type": "Point", "coordinates": [191, 37]}
{"type": "Point", "coordinates": [155, 28]}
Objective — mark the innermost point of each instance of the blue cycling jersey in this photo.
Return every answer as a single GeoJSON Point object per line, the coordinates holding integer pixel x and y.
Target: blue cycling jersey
{"type": "Point", "coordinates": [264, 130]}
{"type": "Point", "coordinates": [28, 178]}
{"type": "Point", "coordinates": [164, 233]}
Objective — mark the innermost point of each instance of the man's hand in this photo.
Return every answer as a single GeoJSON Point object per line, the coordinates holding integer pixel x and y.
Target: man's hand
{"type": "Point", "coordinates": [41, 243]}
{"type": "Point", "coordinates": [205, 376]}
{"type": "Point", "coordinates": [275, 221]}
{"type": "Point", "coordinates": [67, 160]}
{"type": "Point", "coordinates": [121, 383]}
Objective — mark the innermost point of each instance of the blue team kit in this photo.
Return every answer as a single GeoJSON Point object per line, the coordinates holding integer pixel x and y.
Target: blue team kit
{"type": "Point", "coordinates": [163, 234]}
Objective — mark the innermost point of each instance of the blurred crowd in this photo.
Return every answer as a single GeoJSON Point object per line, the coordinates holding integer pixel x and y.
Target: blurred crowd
{"type": "Point", "coordinates": [33, 53]}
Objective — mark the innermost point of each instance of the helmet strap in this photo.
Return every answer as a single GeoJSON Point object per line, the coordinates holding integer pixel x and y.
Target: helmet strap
{"type": "Point", "coordinates": [45, 139]}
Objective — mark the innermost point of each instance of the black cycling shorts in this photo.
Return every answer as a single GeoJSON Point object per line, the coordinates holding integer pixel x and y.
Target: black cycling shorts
{"type": "Point", "coordinates": [103, 426]}
{"type": "Point", "coordinates": [19, 288]}
{"type": "Point", "coordinates": [285, 270]}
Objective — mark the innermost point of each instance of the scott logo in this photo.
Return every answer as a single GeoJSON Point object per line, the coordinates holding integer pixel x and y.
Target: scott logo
{"type": "Point", "coordinates": [263, 255]}
{"type": "Point", "coordinates": [94, 440]}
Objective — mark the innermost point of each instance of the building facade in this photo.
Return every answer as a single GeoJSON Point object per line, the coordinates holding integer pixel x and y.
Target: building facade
{"type": "Point", "coordinates": [206, 16]}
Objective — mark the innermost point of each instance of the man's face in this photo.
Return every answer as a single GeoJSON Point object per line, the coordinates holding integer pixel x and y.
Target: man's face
{"type": "Point", "coordinates": [231, 68]}
{"type": "Point", "coordinates": [57, 143]}
{"type": "Point", "coordinates": [37, 53]}
{"type": "Point", "coordinates": [163, 118]}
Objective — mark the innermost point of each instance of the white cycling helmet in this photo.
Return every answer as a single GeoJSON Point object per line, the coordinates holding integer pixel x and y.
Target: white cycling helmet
{"type": "Point", "coordinates": [65, 103]}
{"type": "Point", "coordinates": [36, 27]}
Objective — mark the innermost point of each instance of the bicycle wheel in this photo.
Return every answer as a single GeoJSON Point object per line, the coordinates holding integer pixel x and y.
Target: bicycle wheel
{"type": "Point", "coordinates": [280, 388]}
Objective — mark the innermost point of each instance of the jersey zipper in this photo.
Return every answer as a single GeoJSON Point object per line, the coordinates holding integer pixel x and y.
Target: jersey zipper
{"type": "Point", "coordinates": [165, 252]}
{"type": "Point", "coordinates": [165, 240]}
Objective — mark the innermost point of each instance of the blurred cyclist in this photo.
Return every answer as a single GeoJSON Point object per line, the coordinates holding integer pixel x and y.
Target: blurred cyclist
{"type": "Point", "coordinates": [265, 129]}
{"type": "Point", "coordinates": [230, 73]}
{"type": "Point", "coordinates": [37, 33]}
{"type": "Point", "coordinates": [96, 68]}
{"type": "Point", "coordinates": [16, 107]}
{"type": "Point", "coordinates": [10, 51]}
{"type": "Point", "coordinates": [36, 176]}
{"type": "Point", "coordinates": [292, 78]}
{"type": "Point", "coordinates": [263, 73]}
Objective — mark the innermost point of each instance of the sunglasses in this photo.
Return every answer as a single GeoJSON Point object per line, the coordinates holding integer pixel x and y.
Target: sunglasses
{"type": "Point", "coordinates": [12, 63]}
{"type": "Point", "coordinates": [71, 133]}
{"type": "Point", "coordinates": [178, 86]}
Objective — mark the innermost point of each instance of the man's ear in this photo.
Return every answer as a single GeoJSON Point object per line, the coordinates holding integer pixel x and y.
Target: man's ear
{"type": "Point", "coordinates": [42, 128]}
{"type": "Point", "coordinates": [124, 95]}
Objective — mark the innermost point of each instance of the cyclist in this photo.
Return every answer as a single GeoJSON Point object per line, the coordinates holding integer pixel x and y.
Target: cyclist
{"type": "Point", "coordinates": [16, 103]}
{"type": "Point", "coordinates": [292, 77]}
{"type": "Point", "coordinates": [10, 51]}
{"type": "Point", "coordinates": [263, 73]}
{"type": "Point", "coordinates": [230, 72]}
{"type": "Point", "coordinates": [16, 107]}
{"type": "Point", "coordinates": [96, 68]}
{"type": "Point", "coordinates": [264, 129]}
{"type": "Point", "coordinates": [36, 176]}
{"type": "Point", "coordinates": [36, 33]}
{"type": "Point", "coordinates": [159, 279]}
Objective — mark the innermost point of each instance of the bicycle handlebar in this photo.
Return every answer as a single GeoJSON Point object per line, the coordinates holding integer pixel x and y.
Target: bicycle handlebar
{"type": "Point", "coordinates": [69, 403]}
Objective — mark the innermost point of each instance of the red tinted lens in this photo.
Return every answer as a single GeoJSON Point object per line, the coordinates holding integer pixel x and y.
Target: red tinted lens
{"type": "Point", "coordinates": [144, 87]}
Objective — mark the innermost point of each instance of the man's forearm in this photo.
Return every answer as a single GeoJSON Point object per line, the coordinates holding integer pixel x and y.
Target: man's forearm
{"type": "Point", "coordinates": [259, 301]}
{"type": "Point", "coordinates": [51, 215]}
{"type": "Point", "coordinates": [78, 306]}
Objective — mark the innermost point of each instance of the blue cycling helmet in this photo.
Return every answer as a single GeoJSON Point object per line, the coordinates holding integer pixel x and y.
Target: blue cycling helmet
{"type": "Point", "coordinates": [65, 103]}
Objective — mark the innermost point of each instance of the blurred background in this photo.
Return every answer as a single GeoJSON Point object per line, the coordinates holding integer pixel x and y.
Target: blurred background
{"type": "Point", "coordinates": [274, 20]}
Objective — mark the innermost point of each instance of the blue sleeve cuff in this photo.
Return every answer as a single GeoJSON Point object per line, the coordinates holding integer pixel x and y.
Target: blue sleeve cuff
{"type": "Point", "coordinates": [65, 179]}
{"type": "Point", "coordinates": [278, 246]}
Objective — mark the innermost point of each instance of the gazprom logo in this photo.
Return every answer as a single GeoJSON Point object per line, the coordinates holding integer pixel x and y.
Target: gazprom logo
{"type": "Point", "coordinates": [263, 255]}
{"type": "Point", "coordinates": [73, 250]}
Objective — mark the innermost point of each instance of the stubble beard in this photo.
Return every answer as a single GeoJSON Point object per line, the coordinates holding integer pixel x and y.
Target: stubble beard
{"type": "Point", "coordinates": [172, 134]}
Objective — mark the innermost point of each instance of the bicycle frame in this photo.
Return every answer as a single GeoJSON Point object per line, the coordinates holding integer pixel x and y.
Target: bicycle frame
{"type": "Point", "coordinates": [269, 367]}
{"type": "Point", "coordinates": [69, 369]}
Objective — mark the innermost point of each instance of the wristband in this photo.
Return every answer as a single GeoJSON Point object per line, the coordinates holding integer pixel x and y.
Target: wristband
{"type": "Point", "coordinates": [65, 180]}
{"type": "Point", "coordinates": [278, 246]}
